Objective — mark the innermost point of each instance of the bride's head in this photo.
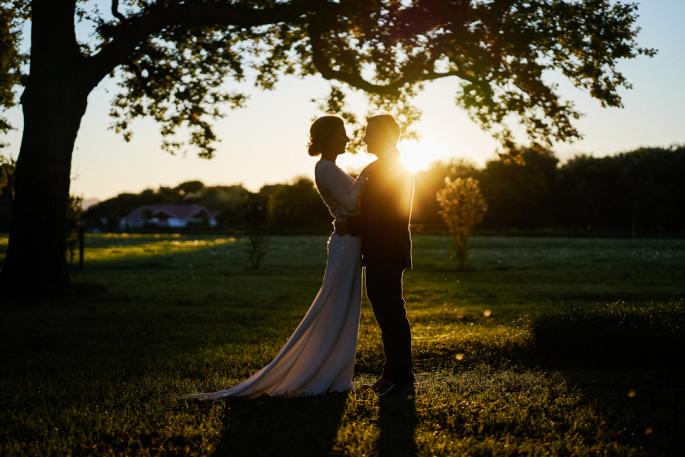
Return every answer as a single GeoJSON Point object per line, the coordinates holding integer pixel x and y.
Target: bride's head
{"type": "Point", "coordinates": [327, 137]}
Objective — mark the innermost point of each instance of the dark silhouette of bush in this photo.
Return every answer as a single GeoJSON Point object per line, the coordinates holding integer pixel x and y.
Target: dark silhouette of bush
{"type": "Point", "coordinates": [521, 195]}
{"type": "Point", "coordinates": [615, 335]}
{"type": "Point", "coordinates": [296, 207]}
{"type": "Point", "coordinates": [638, 193]}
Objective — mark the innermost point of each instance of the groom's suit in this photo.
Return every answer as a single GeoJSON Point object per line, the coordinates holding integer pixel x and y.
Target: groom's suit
{"type": "Point", "coordinates": [386, 252]}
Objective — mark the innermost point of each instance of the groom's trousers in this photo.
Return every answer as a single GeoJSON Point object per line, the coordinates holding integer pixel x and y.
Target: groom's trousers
{"type": "Point", "coordinates": [384, 290]}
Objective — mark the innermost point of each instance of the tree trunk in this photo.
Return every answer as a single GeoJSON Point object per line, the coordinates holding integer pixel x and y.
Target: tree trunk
{"type": "Point", "coordinates": [53, 104]}
{"type": "Point", "coordinates": [460, 251]}
{"type": "Point", "coordinates": [36, 259]}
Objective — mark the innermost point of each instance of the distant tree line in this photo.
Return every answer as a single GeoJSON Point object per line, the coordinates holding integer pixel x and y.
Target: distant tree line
{"type": "Point", "coordinates": [288, 207]}
{"type": "Point", "coordinates": [640, 193]}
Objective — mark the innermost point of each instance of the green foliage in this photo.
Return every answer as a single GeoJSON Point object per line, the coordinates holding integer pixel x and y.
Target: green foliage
{"type": "Point", "coordinates": [228, 200]}
{"type": "Point", "coordinates": [176, 78]}
{"type": "Point", "coordinates": [289, 207]}
{"type": "Point", "coordinates": [256, 218]}
{"type": "Point", "coordinates": [635, 193]}
{"type": "Point", "coordinates": [173, 58]}
{"type": "Point", "coordinates": [462, 207]}
{"type": "Point", "coordinates": [188, 188]}
{"type": "Point", "coordinates": [428, 182]}
{"type": "Point", "coordinates": [12, 13]}
{"type": "Point", "coordinates": [296, 206]}
{"type": "Point", "coordinates": [638, 192]}
{"type": "Point", "coordinates": [74, 211]}
{"type": "Point", "coordinates": [501, 51]}
{"type": "Point", "coordinates": [74, 222]}
{"type": "Point", "coordinates": [521, 193]}
{"type": "Point", "coordinates": [7, 167]}
{"type": "Point", "coordinates": [155, 317]}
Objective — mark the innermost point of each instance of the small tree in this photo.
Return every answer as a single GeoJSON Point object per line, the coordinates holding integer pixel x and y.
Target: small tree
{"type": "Point", "coordinates": [462, 206]}
{"type": "Point", "coordinates": [74, 227]}
{"type": "Point", "coordinates": [256, 214]}
{"type": "Point", "coordinates": [7, 167]}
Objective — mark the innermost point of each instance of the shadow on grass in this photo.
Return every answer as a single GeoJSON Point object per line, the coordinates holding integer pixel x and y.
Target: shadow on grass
{"type": "Point", "coordinates": [308, 426]}
{"type": "Point", "coordinates": [627, 360]}
{"type": "Point", "coordinates": [397, 423]}
{"type": "Point", "coordinates": [278, 426]}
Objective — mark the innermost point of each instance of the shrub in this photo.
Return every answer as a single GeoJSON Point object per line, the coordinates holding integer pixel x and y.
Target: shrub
{"type": "Point", "coordinates": [462, 207]}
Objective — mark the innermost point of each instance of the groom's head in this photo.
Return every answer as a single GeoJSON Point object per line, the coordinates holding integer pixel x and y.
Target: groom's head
{"type": "Point", "coordinates": [382, 133]}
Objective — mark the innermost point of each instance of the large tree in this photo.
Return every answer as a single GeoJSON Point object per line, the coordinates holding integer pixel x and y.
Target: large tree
{"type": "Point", "coordinates": [173, 59]}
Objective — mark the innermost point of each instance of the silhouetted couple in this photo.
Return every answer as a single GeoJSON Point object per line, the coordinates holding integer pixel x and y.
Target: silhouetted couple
{"type": "Point", "coordinates": [372, 230]}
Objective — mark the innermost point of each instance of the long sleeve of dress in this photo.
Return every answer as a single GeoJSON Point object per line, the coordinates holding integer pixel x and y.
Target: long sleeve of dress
{"type": "Point", "coordinates": [331, 180]}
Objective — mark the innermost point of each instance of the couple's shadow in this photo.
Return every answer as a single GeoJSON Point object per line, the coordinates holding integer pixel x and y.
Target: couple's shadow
{"type": "Point", "coordinates": [308, 426]}
{"type": "Point", "coordinates": [397, 422]}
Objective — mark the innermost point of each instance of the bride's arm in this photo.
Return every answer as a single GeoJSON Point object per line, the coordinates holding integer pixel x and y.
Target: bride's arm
{"type": "Point", "coordinates": [347, 196]}
{"type": "Point", "coordinates": [358, 188]}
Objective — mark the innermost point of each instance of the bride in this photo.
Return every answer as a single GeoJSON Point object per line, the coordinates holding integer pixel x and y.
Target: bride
{"type": "Point", "coordinates": [319, 356]}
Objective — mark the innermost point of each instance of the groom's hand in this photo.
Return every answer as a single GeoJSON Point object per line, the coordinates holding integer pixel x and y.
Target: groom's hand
{"type": "Point", "coordinates": [341, 226]}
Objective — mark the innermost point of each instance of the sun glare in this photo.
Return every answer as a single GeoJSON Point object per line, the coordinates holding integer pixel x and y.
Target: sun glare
{"type": "Point", "coordinates": [417, 156]}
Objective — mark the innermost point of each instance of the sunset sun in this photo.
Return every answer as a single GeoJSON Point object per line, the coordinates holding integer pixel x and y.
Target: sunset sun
{"type": "Point", "coordinates": [417, 155]}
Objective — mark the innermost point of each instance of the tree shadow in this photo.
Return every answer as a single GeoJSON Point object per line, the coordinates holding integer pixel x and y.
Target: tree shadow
{"type": "Point", "coordinates": [397, 423]}
{"type": "Point", "coordinates": [282, 426]}
{"type": "Point", "coordinates": [626, 360]}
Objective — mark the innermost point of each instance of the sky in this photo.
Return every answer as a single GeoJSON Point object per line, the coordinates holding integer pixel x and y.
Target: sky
{"type": "Point", "coordinates": [266, 141]}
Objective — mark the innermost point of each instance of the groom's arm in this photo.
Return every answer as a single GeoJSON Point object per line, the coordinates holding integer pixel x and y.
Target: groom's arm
{"type": "Point", "coordinates": [387, 206]}
{"type": "Point", "coordinates": [394, 211]}
{"type": "Point", "coordinates": [355, 225]}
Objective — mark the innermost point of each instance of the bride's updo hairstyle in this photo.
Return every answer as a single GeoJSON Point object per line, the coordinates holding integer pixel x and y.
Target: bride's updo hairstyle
{"type": "Point", "coordinates": [321, 132]}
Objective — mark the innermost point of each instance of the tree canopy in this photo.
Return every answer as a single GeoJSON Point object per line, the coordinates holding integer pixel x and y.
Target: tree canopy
{"type": "Point", "coordinates": [11, 59]}
{"type": "Point", "coordinates": [175, 59]}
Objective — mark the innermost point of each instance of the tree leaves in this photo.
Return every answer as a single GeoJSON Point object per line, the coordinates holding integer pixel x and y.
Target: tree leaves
{"type": "Point", "coordinates": [7, 167]}
{"type": "Point", "coordinates": [178, 58]}
{"type": "Point", "coordinates": [11, 59]}
{"type": "Point", "coordinates": [462, 206]}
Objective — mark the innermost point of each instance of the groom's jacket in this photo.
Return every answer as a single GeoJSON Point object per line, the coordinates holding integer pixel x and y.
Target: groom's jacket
{"type": "Point", "coordinates": [385, 213]}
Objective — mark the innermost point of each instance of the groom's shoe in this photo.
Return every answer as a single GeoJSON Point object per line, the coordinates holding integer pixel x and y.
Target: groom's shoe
{"type": "Point", "coordinates": [380, 386]}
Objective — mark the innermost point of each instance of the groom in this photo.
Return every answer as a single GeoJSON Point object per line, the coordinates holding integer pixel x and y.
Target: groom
{"type": "Point", "coordinates": [386, 249]}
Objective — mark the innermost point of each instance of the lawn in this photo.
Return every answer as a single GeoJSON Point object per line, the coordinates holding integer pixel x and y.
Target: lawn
{"type": "Point", "coordinates": [544, 346]}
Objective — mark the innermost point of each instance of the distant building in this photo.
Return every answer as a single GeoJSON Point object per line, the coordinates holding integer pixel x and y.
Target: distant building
{"type": "Point", "coordinates": [169, 216]}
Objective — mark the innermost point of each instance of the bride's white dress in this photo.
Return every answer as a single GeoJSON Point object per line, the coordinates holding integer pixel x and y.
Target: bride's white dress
{"type": "Point", "coordinates": [319, 356]}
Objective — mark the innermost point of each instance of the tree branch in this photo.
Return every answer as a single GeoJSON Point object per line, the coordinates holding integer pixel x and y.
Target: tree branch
{"type": "Point", "coordinates": [136, 29]}
{"type": "Point", "coordinates": [354, 79]}
{"type": "Point", "coordinates": [115, 11]}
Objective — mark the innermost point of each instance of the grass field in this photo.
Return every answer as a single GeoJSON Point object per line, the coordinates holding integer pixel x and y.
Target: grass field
{"type": "Point", "coordinates": [545, 346]}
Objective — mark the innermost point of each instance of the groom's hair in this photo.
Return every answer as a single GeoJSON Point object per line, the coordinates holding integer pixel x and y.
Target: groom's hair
{"type": "Point", "coordinates": [388, 124]}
